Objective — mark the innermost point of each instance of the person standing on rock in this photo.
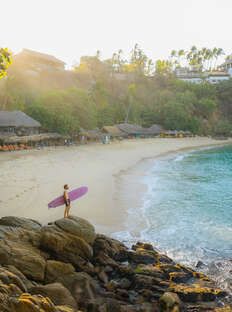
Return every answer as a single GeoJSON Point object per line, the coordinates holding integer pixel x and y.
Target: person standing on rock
{"type": "Point", "coordinates": [67, 201]}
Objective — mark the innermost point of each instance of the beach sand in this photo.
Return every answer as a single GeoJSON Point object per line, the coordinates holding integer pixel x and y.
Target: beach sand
{"type": "Point", "coordinates": [30, 179]}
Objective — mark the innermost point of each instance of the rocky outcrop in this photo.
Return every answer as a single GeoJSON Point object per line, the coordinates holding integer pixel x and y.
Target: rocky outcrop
{"type": "Point", "coordinates": [66, 267]}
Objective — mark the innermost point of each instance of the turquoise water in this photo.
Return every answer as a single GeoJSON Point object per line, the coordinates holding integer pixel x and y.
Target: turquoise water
{"type": "Point", "coordinates": [189, 205]}
{"type": "Point", "coordinates": [188, 210]}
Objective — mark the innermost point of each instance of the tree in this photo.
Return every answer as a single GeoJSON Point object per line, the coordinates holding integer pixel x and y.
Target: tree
{"type": "Point", "coordinates": [5, 61]}
{"type": "Point", "coordinates": [163, 67]}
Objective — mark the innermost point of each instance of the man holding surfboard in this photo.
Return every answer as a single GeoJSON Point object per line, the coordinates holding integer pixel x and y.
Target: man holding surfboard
{"type": "Point", "coordinates": [67, 198]}
{"type": "Point", "coordinates": [66, 201]}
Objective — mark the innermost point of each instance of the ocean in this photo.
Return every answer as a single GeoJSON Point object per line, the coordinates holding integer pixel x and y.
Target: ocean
{"type": "Point", "coordinates": [187, 210]}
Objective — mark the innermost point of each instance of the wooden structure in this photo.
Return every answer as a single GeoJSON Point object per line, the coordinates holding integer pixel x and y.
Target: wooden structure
{"type": "Point", "coordinates": [113, 132]}
{"type": "Point", "coordinates": [10, 143]}
{"type": "Point", "coordinates": [18, 123]}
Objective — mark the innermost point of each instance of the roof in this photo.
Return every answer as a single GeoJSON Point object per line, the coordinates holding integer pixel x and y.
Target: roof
{"type": "Point", "coordinates": [44, 56]}
{"type": "Point", "coordinates": [113, 130]}
{"type": "Point", "coordinates": [17, 119]}
{"type": "Point", "coordinates": [155, 129]}
{"type": "Point", "coordinates": [91, 134]}
{"type": "Point", "coordinates": [131, 129]}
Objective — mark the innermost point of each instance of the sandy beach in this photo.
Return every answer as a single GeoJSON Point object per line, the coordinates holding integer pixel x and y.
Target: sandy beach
{"type": "Point", "coordinates": [30, 179]}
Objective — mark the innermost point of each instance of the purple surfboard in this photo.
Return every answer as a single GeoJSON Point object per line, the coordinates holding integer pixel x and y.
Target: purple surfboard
{"type": "Point", "coordinates": [73, 195]}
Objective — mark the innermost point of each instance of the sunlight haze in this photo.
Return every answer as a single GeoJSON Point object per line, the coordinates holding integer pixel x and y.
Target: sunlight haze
{"type": "Point", "coordinates": [71, 28]}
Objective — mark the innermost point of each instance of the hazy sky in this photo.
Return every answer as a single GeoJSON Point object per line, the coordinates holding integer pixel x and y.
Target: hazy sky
{"type": "Point", "coordinates": [71, 28]}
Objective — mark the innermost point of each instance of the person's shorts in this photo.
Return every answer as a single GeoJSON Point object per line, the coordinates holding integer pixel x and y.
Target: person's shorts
{"type": "Point", "coordinates": [67, 202]}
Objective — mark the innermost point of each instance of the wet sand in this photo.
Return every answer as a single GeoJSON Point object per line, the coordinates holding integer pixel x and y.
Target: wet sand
{"type": "Point", "coordinates": [30, 179]}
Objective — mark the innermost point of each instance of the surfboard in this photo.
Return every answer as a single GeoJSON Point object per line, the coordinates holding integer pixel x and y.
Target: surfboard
{"type": "Point", "coordinates": [73, 195]}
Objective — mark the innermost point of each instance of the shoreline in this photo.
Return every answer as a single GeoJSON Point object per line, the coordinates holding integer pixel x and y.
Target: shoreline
{"type": "Point", "coordinates": [38, 176]}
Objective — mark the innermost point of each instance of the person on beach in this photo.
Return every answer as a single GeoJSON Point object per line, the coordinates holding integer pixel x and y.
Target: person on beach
{"type": "Point", "coordinates": [67, 201]}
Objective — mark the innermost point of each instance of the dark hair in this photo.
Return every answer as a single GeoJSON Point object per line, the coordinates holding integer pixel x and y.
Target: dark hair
{"type": "Point", "coordinates": [65, 186]}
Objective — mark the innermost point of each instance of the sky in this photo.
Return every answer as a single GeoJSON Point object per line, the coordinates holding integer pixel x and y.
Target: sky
{"type": "Point", "coordinates": [69, 29]}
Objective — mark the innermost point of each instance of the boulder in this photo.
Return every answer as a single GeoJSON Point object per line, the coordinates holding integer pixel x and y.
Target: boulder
{"type": "Point", "coordinates": [196, 292]}
{"type": "Point", "coordinates": [81, 285]}
{"type": "Point", "coordinates": [24, 257]}
{"type": "Point", "coordinates": [9, 278]}
{"type": "Point", "coordinates": [111, 247]}
{"type": "Point", "coordinates": [57, 269]}
{"type": "Point", "coordinates": [64, 246]}
{"type": "Point", "coordinates": [170, 302]}
{"type": "Point", "coordinates": [78, 227]}
{"type": "Point", "coordinates": [24, 223]}
{"type": "Point", "coordinates": [28, 303]}
{"type": "Point", "coordinates": [56, 292]}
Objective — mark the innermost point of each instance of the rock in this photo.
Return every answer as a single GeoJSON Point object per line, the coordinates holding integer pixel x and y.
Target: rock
{"type": "Point", "coordinates": [200, 265]}
{"type": "Point", "coordinates": [24, 257]}
{"type": "Point", "coordinates": [64, 246]}
{"type": "Point", "coordinates": [124, 283]}
{"type": "Point", "coordinates": [143, 256]}
{"type": "Point", "coordinates": [78, 227]}
{"type": "Point", "coordinates": [9, 278]}
{"type": "Point", "coordinates": [29, 303]}
{"type": "Point", "coordinates": [56, 292]}
{"type": "Point", "coordinates": [110, 247]}
{"type": "Point", "coordinates": [27, 283]}
{"type": "Point", "coordinates": [24, 223]}
{"type": "Point", "coordinates": [170, 302]}
{"type": "Point", "coordinates": [151, 270]}
{"type": "Point", "coordinates": [140, 245]}
{"type": "Point", "coordinates": [55, 269]}
{"type": "Point", "coordinates": [81, 285]}
{"type": "Point", "coordinates": [180, 277]}
{"type": "Point", "coordinates": [196, 292]}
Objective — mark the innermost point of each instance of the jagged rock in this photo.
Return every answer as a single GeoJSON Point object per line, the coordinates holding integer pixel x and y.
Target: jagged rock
{"type": "Point", "coordinates": [151, 270]}
{"type": "Point", "coordinates": [56, 292]}
{"type": "Point", "coordinates": [119, 279]}
{"type": "Point", "coordinates": [196, 292]}
{"type": "Point", "coordinates": [29, 303]}
{"type": "Point", "coordinates": [78, 227]}
{"type": "Point", "coordinates": [170, 302]}
{"type": "Point", "coordinates": [180, 277]}
{"type": "Point", "coordinates": [55, 269]}
{"type": "Point", "coordinates": [28, 284]}
{"type": "Point", "coordinates": [140, 245]}
{"type": "Point", "coordinates": [24, 257]}
{"type": "Point", "coordinates": [24, 223]}
{"type": "Point", "coordinates": [81, 285]}
{"type": "Point", "coordinates": [9, 278]}
{"type": "Point", "coordinates": [64, 246]}
{"type": "Point", "coordinates": [124, 283]}
{"type": "Point", "coordinates": [111, 247]}
{"type": "Point", "coordinates": [143, 256]}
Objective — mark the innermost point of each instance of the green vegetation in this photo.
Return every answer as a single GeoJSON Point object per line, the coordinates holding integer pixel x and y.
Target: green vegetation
{"type": "Point", "coordinates": [105, 92]}
{"type": "Point", "coordinates": [5, 61]}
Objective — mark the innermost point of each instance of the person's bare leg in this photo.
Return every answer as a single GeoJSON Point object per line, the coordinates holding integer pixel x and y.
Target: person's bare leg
{"type": "Point", "coordinates": [65, 212]}
{"type": "Point", "coordinates": [68, 209]}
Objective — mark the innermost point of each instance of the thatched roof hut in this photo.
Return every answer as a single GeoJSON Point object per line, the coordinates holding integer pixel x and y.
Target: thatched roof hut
{"type": "Point", "coordinates": [93, 135]}
{"type": "Point", "coordinates": [155, 129]}
{"type": "Point", "coordinates": [131, 129]}
{"type": "Point", "coordinates": [113, 131]}
{"type": "Point", "coordinates": [17, 119]}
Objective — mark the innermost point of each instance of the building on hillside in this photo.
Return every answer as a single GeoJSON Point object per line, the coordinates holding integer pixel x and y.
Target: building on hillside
{"type": "Point", "coordinates": [132, 130]}
{"type": "Point", "coordinates": [217, 76]}
{"type": "Point", "coordinates": [34, 62]}
{"type": "Point", "coordinates": [227, 65]}
{"type": "Point", "coordinates": [18, 123]}
{"type": "Point", "coordinates": [213, 77]}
